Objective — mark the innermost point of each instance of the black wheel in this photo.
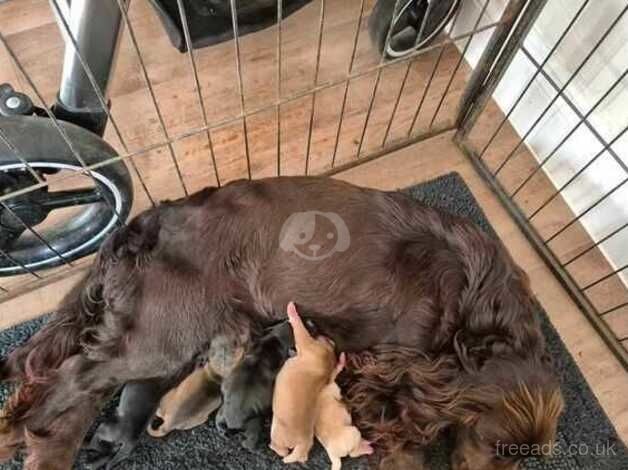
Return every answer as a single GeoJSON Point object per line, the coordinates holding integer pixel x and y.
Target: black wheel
{"type": "Point", "coordinates": [74, 212]}
{"type": "Point", "coordinates": [406, 24]}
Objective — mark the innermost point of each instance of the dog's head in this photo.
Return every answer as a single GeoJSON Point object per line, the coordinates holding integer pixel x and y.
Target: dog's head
{"type": "Point", "coordinates": [248, 391]}
{"type": "Point", "coordinates": [513, 414]}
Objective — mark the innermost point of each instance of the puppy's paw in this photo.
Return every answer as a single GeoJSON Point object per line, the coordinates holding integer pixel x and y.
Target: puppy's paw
{"type": "Point", "coordinates": [280, 451]}
{"type": "Point", "coordinates": [250, 443]}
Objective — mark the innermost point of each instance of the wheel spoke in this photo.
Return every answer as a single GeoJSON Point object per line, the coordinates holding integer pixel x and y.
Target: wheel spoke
{"type": "Point", "coordinates": [76, 197]}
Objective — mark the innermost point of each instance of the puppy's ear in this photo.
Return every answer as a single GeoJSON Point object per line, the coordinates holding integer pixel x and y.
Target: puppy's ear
{"type": "Point", "coordinates": [312, 328]}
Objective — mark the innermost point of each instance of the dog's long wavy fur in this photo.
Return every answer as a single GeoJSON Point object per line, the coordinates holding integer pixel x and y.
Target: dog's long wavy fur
{"type": "Point", "coordinates": [108, 287]}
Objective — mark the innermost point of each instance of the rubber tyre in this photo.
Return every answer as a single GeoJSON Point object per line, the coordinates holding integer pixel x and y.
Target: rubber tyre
{"type": "Point", "coordinates": [41, 145]}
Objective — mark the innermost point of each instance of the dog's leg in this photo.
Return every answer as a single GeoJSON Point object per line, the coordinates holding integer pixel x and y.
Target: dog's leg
{"type": "Point", "coordinates": [300, 453]}
{"type": "Point", "coordinates": [336, 463]}
{"type": "Point", "coordinates": [253, 432]}
{"type": "Point", "coordinates": [363, 448]}
{"type": "Point", "coordinates": [280, 451]}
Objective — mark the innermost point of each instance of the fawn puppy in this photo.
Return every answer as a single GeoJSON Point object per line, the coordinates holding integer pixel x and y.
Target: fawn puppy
{"type": "Point", "coordinates": [188, 405]}
{"type": "Point", "coordinates": [333, 426]}
{"type": "Point", "coordinates": [297, 389]}
{"type": "Point", "coordinates": [192, 402]}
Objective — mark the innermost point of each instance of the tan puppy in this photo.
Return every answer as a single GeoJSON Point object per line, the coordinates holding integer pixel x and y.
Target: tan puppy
{"type": "Point", "coordinates": [333, 426]}
{"type": "Point", "coordinates": [297, 388]}
{"type": "Point", "coordinates": [192, 402]}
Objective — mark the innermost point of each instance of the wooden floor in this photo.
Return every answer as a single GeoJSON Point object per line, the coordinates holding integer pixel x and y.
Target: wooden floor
{"type": "Point", "coordinates": [31, 32]}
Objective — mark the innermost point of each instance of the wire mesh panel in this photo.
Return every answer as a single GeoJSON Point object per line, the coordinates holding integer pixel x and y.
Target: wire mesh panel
{"type": "Point", "coordinates": [547, 129]}
{"type": "Point", "coordinates": [310, 93]}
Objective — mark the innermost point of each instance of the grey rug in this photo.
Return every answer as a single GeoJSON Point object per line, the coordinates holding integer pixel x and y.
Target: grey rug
{"type": "Point", "coordinates": [586, 440]}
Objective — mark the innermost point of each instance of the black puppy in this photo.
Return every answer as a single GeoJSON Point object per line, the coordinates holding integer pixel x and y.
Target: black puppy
{"type": "Point", "coordinates": [248, 391]}
{"type": "Point", "coordinates": [138, 402]}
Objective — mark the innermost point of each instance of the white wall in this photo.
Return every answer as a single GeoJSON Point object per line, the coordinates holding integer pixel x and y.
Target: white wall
{"type": "Point", "coordinates": [609, 119]}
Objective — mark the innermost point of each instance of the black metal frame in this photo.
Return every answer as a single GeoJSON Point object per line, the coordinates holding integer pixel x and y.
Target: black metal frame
{"type": "Point", "coordinates": [493, 64]}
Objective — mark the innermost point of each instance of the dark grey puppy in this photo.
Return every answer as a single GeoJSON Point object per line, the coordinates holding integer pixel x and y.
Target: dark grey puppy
{"type": "Point", "coordinates": [248, 391]}
{"type": "Point", "coordinates": [138, 402]}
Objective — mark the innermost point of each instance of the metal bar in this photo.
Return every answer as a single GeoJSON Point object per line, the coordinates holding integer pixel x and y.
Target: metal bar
{"type": "Point", "coordinates": [377, 79]}
{"type": "Point", "coordinates": [96, 27]}
{"type": "Point", "coordinates": [278, 111]}
{"type": "Point", "coordinates": [604, 278]}
{"type": "Point", "coordinates": [14, 151]}
{"type": "Point", "coordinates": [610, 235]}
{"type": "Point", "coordinates": [101, 99]}
{"type": "Point", "coordinates": [576, 111]}
{"type": "Point", "coordinates": [510, 51]}
{"type": "Point", "coordinates": [548, 255]}
{"type": "Point", "coordinates": [20, 264]}
{"type": "Point", "coordinates": [230, 120]}
{"type": "Point", "coordinates": [562, 90]}
{"type": "Point", "coordinates": [57, 126]}
{"type": "Point", "coordinates": [582, 120]}
{"type": "Point", "coordinates": [35, 233]}
{"type": "Point", "coordinates": [497, 56]}
{"type": "Point", "coordinates": [586, 211]}
{"type": "Point", "coordinates": [426, 90]}
{"type": "Point", "coordinates": [356, 38]}
{"type": "Point", "coordinates": [236, 43]}
{"type": "Point", "coordinates": [614, 309]}
{"type": "Point", "coordinates": [151, 91]}
{"type": "Point", "coordinates": [430, 5]}
{"type": "Point", "coordinates": [458, 64]}
{"type": "Point", "coordinates": [396, 105]}
{"type": "Point", "coordinates": [578, 173]}
{"type": "Point", "coordinates": [316, 72]}
{"type": "Point", "coordinates": [441, 52]}
{"type": "Point", "coordinates": [188, 43]}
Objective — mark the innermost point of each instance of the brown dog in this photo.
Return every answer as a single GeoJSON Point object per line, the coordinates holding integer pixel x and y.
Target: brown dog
{"type": "Point", "coordinates": [333, 426]}
{"type": "Point", "coordinates": [297, 389]}
{"type": "Point", "coordinates": [450, 328]}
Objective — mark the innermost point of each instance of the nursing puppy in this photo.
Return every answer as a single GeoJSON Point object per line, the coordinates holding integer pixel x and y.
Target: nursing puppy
{"type": "Point", "coordinates": [189, 405]}
{"type": "Point", "coordinates": [333, 426]}
{"type": "Point", "coordinates": [297, 389]}
{"type": "Point", "coordinates": [198, 396]}
{"type": "Point", "coordinates": [248, 391]}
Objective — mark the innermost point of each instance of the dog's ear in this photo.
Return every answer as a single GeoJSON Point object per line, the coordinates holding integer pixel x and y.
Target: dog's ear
{"type": "Point", "coordinates": [462, 352]}
{"type": "Point", "coordinates": [139, 237]}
